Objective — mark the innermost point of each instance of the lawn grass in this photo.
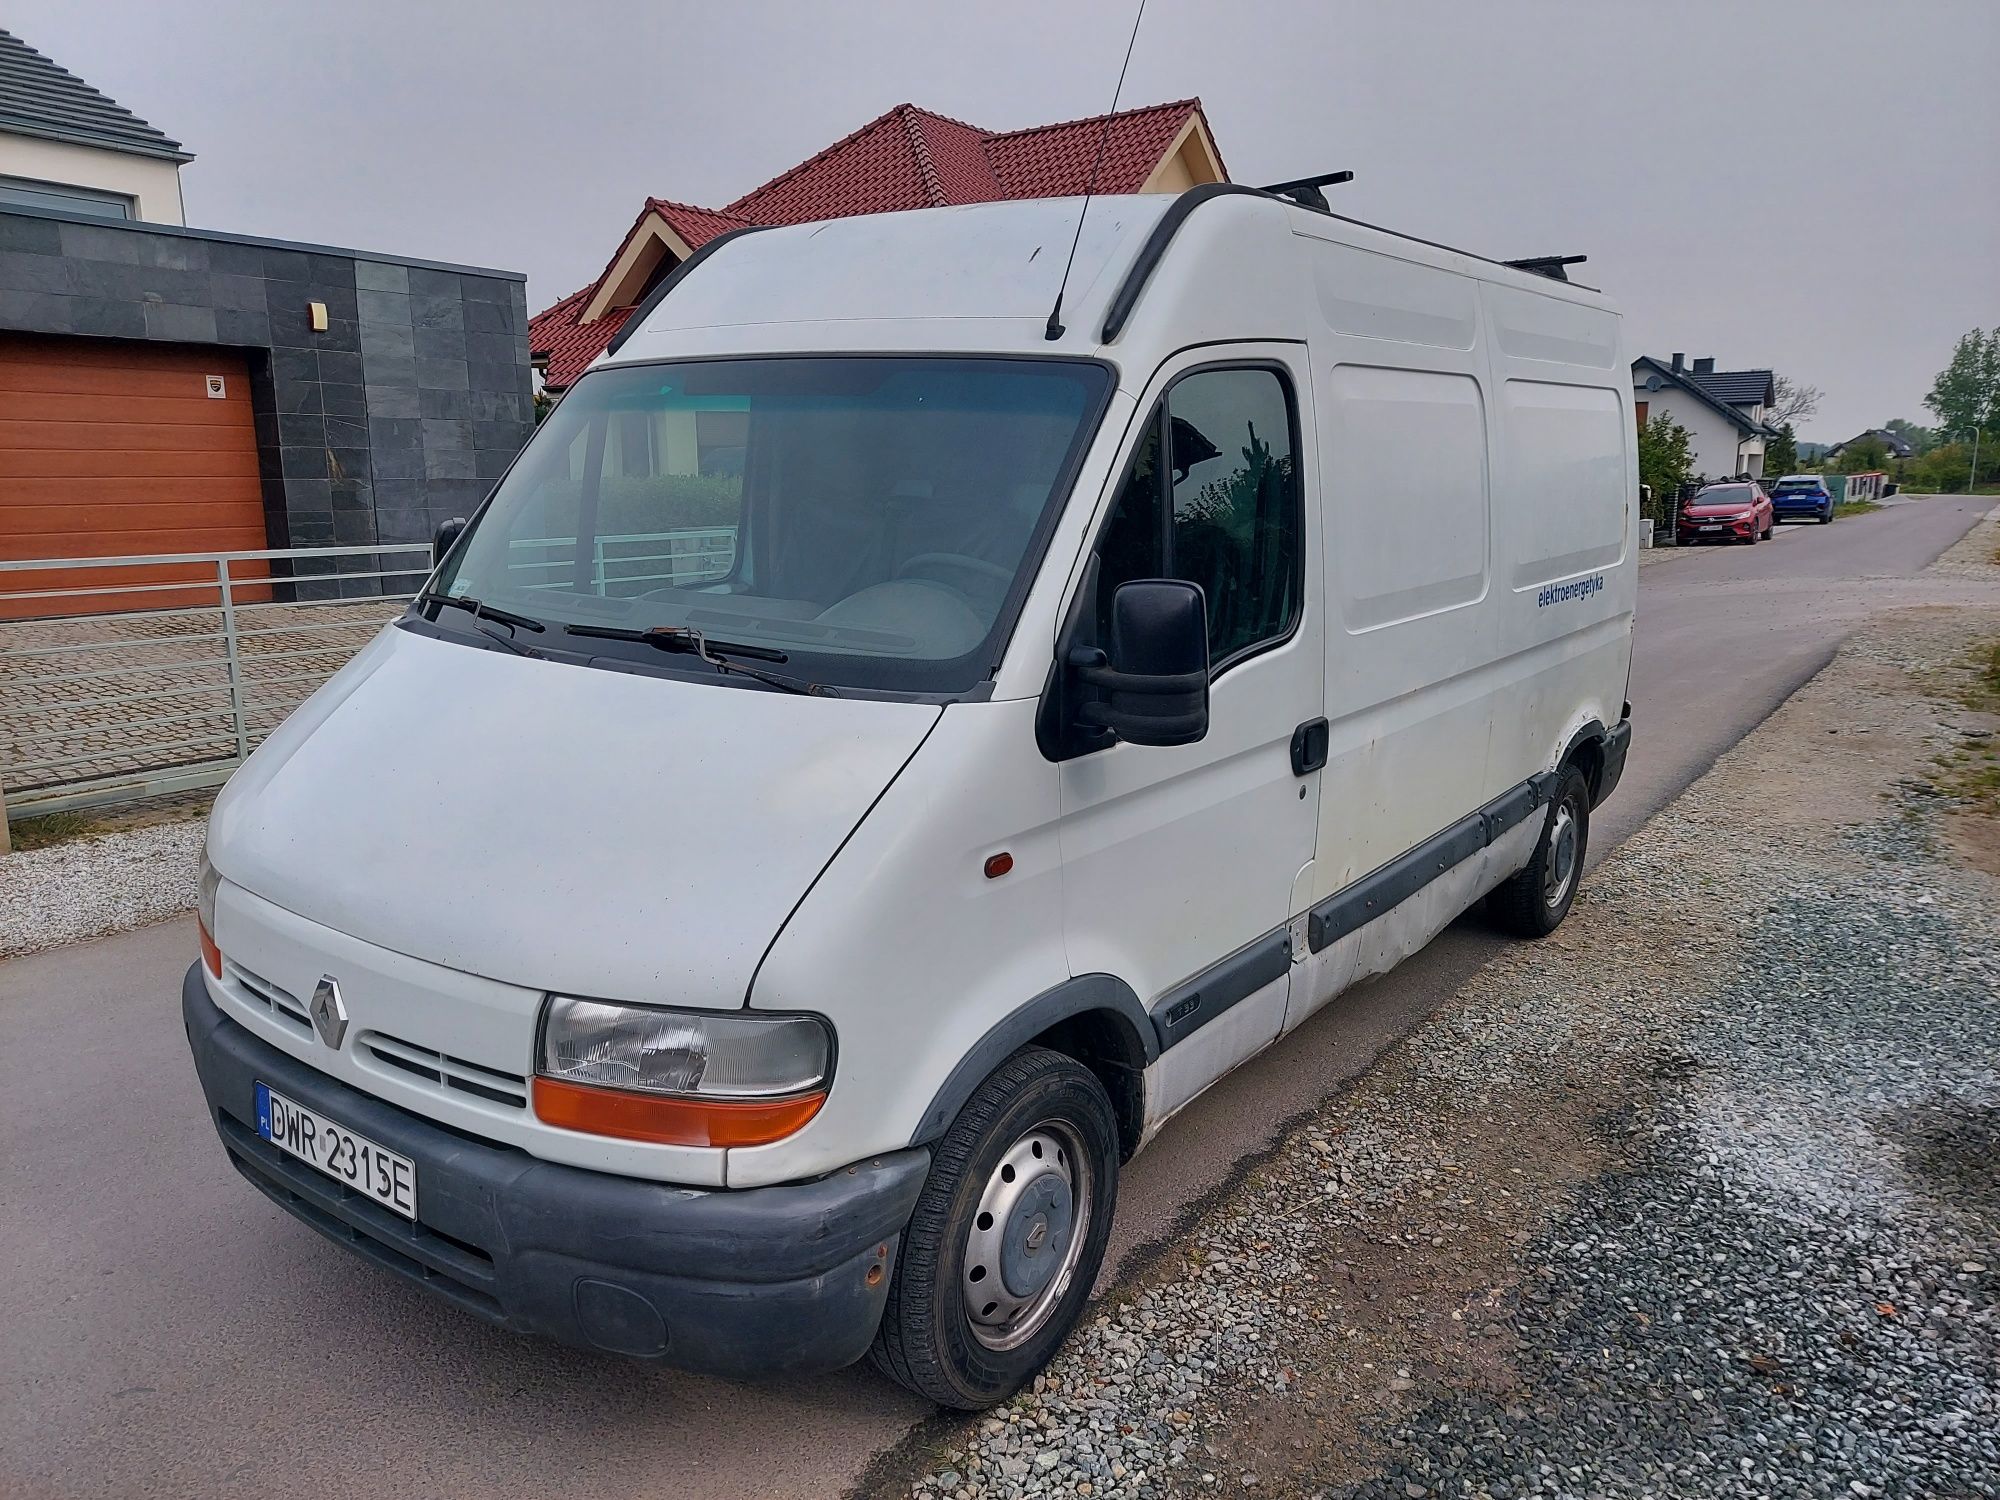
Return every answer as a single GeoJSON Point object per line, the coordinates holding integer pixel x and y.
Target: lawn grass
{"type": "Point", "coordinates": [1972, 768]}
{"type": "Point", "coordinates": [49, 828]}
{"type": "Point", "coordinates": [1854, 508]}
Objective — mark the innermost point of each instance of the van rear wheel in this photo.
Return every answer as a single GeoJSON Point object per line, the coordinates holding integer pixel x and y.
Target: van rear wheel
{"type": "Point", "coordinates": [1533, 903]}
{"type": "Point", "coordinates": [1008, 1234]}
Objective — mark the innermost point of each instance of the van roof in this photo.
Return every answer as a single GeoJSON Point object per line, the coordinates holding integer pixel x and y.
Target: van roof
{"type": "Point", "coordinates": [984, 277]}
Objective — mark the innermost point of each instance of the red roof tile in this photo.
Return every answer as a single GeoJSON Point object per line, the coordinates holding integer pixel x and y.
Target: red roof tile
{"type": "Point", "coordinates": [906, 158]}
{"type": "Point", "coordinates": [1055, 161]}
{"type": "Point", "coordinates": [695, 225]}
{"type": "Point", "coordinates": [565, 346]}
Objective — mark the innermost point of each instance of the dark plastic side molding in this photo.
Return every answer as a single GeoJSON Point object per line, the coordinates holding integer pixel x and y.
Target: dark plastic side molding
{"type": "Point", "coordinates": [1072, 997]}
{"type": "Point", "coordinates": [1382, 890]}
{"type": "Point", "coordinates": [1617, 744]}
{"type": "Point", "coordinates": [674, 279]}
{"type": "Point", "coordinates": [1184, 1010]}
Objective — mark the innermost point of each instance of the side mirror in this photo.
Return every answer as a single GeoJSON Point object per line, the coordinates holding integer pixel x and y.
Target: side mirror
{"type": "Point", "coordinates": [1152, 689]}
{"type": "Point", "coordinates": [441, 540]}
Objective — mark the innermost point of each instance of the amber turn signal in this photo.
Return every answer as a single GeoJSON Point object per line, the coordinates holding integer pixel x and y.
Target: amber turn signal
{"type": "Point", "coordinates": [211, 956]}
{"type": "Point", "coordinates": [668, 1120]}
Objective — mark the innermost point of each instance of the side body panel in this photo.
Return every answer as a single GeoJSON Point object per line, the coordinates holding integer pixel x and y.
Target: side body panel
{"type": "Point", "coordinates": [907, 947]}
{"type": "Point", "coordinates": [1480, 489]}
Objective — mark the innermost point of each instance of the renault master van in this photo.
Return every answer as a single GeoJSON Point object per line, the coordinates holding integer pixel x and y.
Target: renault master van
{"type": "Point", "coordinates": [883, 749]}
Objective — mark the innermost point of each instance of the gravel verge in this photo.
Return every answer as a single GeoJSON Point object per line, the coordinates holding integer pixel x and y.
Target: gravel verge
{"type": "Point", "coordinates": [1976, 554]}
{"type": "Point", "coordinates": [1698, 1198]}
{"type": "Point", "coordinates": [92, 887]}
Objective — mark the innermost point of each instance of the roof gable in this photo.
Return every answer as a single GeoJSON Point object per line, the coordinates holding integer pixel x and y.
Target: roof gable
{"type": "Point", "coordinates": [39, 97]}
{"type": "Point", "coordinates": [903, 159]}
{"type": "Point", "coordinates": [1685, 382]}
{"type": "Point", "coordinates": [1056, 161]}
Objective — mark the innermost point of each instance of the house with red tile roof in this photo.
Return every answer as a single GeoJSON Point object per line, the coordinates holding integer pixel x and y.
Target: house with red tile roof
{"type": "Point", "coordinates": [906, 158]}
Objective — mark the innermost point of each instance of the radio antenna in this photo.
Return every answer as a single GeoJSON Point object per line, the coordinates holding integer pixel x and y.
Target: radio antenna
{"type": "Point", "coordinates": [1055, 328]}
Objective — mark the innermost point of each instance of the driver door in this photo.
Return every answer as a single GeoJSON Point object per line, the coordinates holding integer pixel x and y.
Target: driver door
{"type": "Point", "coordinates": [1184, 864]}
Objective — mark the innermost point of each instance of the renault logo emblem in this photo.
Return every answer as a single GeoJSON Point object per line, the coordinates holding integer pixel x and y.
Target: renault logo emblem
{"type": "Point", "coordinates": [329, 1016]}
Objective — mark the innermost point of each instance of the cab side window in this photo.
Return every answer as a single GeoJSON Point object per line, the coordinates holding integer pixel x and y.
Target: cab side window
{"type": "Point", "coordinates": [1213, 497]}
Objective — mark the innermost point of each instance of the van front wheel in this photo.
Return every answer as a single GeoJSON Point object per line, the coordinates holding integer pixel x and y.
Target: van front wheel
{"type": "Point", "coordinates": [1008, 1234]}
{"type": "Point", "coordinates": [1533, 903]}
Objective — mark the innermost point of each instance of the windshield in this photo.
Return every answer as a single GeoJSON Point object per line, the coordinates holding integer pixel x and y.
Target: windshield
{"type": "Point", "coordinates": [1728, 494]}
{"type": "Point", "coordinates": [874, 520]}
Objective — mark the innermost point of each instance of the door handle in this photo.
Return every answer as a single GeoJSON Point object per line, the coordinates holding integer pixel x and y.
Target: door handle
{"type": "Point", "coordinates": [1309, 746]}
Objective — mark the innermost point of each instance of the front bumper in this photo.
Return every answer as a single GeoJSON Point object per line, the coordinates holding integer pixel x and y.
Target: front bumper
{"type": "Point", "coordinates": [761, 1281]}
{"type": "Point", "coordinates": [1729, 531]}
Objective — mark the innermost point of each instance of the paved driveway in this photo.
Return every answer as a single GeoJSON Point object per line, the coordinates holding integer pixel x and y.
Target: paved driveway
{"type": "Point", "coordinates": [168, 1332]}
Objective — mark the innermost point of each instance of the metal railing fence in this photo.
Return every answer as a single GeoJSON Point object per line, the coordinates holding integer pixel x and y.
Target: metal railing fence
{"type": "Point", "coordinates": [113, 689]}
{"type": "Point", "coordinates": [617, 563]}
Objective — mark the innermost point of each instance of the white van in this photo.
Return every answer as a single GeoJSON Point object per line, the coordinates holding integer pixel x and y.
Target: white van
{"type": "Point", "coordinates": [883, 749]}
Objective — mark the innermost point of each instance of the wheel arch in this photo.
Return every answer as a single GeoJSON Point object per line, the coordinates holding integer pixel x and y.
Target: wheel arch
{"type": "Point", "coordinates": [1096, 1019]}
{"type": "Point", "coordinates": [1586, 752]}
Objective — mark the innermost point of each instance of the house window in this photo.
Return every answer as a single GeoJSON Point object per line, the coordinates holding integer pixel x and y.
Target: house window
{"type": "Point", "coordinates": [76, 200]}
{"type": "Point", "coordinates": [1222, 511]}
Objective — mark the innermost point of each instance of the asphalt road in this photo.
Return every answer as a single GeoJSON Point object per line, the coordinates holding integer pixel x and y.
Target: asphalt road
{"type": "Point", "coordinates": [167, 1332]}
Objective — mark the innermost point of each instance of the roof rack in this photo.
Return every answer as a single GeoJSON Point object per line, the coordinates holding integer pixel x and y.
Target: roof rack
{"type": "Point", "coordinates": [1550, 266]}
{"type": "Point", "coordinates": [1305, 191]}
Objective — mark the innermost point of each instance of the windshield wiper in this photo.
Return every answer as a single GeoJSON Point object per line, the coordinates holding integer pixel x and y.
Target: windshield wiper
{"type": "Point", "coordinates": [718, 654]}
{"type": "Point", "coordinates": [482, 611]}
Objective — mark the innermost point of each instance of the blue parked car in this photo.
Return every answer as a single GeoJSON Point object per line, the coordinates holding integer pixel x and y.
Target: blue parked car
{"type": "Point", "coordinates": [1802, 497]}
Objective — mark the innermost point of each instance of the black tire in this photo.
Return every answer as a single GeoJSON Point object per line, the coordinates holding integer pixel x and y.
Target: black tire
{"type": "Point", "coordinates": [1827, 519]}
{"type": "Point", "coordinates": [1524, 905]}
{"type": "Point", "coordinates": [928, 1340]}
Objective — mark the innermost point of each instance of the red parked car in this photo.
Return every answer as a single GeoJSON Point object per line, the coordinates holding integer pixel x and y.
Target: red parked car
{"type": "Point", "coordinates": [1738, 512]}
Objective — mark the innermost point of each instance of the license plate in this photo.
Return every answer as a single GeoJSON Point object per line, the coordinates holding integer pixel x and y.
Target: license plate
{"type": "Point", "coordinates": [1715, 528]}
{"type": "Point", "coordinates": [383, 1176]}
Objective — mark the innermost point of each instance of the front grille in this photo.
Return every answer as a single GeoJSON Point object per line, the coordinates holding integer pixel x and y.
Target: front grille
{"type": "Point", "coordinates": [259, 991]}
{"type": "Point", "coordinates": [444, 1072]}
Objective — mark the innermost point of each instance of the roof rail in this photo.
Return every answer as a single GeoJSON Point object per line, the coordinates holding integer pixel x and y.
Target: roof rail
{"type": "Point", "coordinates": [1127, 296]}
{"type": "Point", "coordinates": [674, 279]}
{"type": "Point", "coordinates": [1305, 191]}
{"type": "Point", "coordinates": [1547, 265]}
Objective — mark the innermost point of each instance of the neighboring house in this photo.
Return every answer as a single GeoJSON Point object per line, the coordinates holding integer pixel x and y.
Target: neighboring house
{"type": "Point", "coordinates": [1897, 446]}
{"type": "Point", "coordinates": [907, 158]}
{"type": "Point", "coordinates": [166, 389]}
{"type": "Point", "coordinates": [1723, 410]}
{"type": "Point", "coordinates": [64, 145]}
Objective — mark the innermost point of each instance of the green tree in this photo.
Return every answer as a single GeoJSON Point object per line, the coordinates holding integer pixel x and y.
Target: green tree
{"type": "Point", "coordinates": [1966, 393]}
{"type": "Point", "coordinates": [1665, 460]}
{"type": "Point", "coordinates": [1943, 470]}
{"type": "Point", "coordinates": [1781, 456]}
{"type": "Point", "coordinates": [1920, 439]}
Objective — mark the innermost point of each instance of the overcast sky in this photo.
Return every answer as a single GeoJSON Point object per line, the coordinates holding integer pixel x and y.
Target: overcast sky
{"type": "Point", "coordinates": [1805, 184]}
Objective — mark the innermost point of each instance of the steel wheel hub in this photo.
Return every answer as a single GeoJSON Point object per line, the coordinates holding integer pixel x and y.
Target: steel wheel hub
{"type": "Point", "coordinates": [1562, 855]}
{"type": "Point", "coordinates": [1026, 1236]}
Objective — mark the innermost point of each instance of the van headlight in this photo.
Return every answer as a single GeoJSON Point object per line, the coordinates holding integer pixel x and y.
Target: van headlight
{"type": "Point", "coordinates": [679, 1077]}
{"type": "Point", "coordinates": [204, 915]}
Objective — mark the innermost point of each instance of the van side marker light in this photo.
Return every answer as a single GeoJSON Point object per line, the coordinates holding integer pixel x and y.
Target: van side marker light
{"type": "Point", "coordinates": [998, 864]}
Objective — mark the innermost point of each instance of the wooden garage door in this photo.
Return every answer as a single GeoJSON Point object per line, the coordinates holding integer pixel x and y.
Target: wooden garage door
{"type": "Point", "coordinates": [115, 449]}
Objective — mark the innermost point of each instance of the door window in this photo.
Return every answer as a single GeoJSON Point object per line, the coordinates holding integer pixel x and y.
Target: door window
{"type": "Point", "coordinates": [1213, 497]}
